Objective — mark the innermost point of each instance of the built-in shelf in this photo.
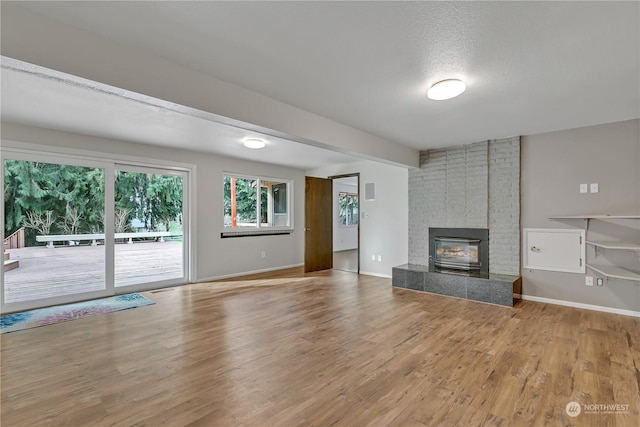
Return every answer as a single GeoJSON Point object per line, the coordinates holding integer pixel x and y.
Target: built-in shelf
{"type": "Point", "coordinates": [595, 216]}
{"type": "Point", "coordinates": [625, 246]}
{"type": "Point", "coordinates": [616, 272]}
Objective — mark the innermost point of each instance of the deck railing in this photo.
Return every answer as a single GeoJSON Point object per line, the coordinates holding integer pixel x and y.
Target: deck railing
{"type": "Point", "coordinates": [50, 239]}
{"type": "Point", "coordinates": [15, 240]}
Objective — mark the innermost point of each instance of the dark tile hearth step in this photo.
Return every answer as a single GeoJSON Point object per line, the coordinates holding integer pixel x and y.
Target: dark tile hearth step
{"type": "Point", "coordinates": [497, 289]}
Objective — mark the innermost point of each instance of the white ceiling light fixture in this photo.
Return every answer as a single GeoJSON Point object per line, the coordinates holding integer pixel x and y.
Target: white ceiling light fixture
{"type": "Point", "coordinates": [446, 89]}
{"type": "Point", "coordinates": [254, 143]}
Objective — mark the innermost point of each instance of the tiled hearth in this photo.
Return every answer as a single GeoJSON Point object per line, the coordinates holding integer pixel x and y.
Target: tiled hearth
{"type": "Point", "coordinates": [497, 289]}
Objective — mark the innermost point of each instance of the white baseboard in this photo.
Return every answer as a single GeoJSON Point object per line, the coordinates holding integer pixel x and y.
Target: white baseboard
{"type": "Point", "coordinates": [247, 273]}
{"type": "Point", "coordinates": [579, 305]}
{"type": "Point", "coordinates": [367, 273]}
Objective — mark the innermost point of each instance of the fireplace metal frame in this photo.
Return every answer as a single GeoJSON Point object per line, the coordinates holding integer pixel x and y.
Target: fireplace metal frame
{"type": "Point", "coordinates": [481, 234]}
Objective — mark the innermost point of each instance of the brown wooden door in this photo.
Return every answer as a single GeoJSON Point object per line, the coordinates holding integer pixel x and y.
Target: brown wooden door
{"type": "Point", "coordinates": [318, 217]}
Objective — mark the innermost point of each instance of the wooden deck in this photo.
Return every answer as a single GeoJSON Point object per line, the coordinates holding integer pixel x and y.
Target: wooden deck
{"type": "Point", "coordinates": [65, 270]}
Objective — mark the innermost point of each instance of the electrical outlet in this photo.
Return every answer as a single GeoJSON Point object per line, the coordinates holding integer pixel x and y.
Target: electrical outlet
{"type": "Point", "coordinates": [600, 281]}
{"type": "Point", "coordinates": [379, 258]}
{"type": "Point", "coordinates": [263, 254]}
{"type": "Point", "coordinates": [589, 281]}
{"type": "Point", "coordinates": [373, 257]}
{"type": "Point", "coordinates": [584, 188]}
{"type": "Point", "coordinates": [594, 188]}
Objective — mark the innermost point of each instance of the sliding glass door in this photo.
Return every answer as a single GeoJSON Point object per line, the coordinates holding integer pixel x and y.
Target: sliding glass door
{"type": "Point", "coordinates": [53, 231]}
{"type": "Point", "coordinates": [77, 229]}
{"type": "Point", "coordinates": [149, 226]}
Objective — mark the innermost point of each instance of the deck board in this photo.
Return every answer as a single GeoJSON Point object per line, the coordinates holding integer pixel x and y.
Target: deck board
{"type": "Point", "coordinates": [66, 270]}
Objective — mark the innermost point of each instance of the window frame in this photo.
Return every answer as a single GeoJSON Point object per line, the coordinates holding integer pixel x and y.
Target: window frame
{"type": "Point", "coordinates": [349, 215]}
{"type": "Point", "coordinates": [259, 228]}
{"type": "Point", "coordinates": [28, 151]}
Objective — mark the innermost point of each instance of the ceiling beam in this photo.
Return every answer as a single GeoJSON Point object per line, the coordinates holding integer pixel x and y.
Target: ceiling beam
{"type": "Point", "coordinates": [36, 39]}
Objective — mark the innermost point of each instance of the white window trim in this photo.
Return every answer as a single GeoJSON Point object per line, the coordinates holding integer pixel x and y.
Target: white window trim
{"type": "Point", "coordinates": [27, 150]}
{"type": "Point", "coordinates": [259, 230]}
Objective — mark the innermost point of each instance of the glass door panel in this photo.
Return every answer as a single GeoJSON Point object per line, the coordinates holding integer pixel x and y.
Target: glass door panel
{"type": "Point", "coordinates": [54, 233]}
{"type": "Point", "coordinates": [149, 227]}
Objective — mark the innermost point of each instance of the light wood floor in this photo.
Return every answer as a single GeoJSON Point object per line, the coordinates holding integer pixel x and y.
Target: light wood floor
{"type": "Point", "coordinates": [346, 260]}
{"type": "Point", "coordinates": [282, 349]}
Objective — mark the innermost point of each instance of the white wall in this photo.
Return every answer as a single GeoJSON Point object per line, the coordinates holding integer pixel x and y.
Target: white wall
{"type": "Point", "coordinates": [385, 229]}
{"type": "Point", "coordinates": [343, 237]}
{"type": "Point", "coordinates": [215, 257]}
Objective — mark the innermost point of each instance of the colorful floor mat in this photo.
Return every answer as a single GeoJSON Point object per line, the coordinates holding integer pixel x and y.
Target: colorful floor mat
{"type": "Point", "coordinates": [62, 313]}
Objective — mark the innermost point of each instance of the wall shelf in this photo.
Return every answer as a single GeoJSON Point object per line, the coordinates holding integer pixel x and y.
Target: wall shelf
{"type": "Point", "coordinates": [618, 272]}
{"type": "Point", "coordinates": [595, 216]}
{"type": "Point", "coordinates": [615, 271]}
{"type": "Point", "coordinates": [625, 246]}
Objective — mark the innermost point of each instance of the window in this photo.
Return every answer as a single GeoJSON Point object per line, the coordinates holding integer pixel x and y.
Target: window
{"type": "Point", "coordinates": [348, 209]}
{"type": "Point", "coordinates": [254, 203]}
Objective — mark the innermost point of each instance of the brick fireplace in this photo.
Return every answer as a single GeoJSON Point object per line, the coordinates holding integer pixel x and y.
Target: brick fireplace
{"type": "Point", "coordinates": [469, 187]}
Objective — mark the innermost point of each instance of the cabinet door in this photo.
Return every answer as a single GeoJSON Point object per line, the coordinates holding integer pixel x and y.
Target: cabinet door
{"type": "Point", "coordinates": [554, 249]}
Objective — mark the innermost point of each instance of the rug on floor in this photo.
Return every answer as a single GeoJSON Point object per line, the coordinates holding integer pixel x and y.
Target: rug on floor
{"type": "Point", "coordinates": [62, 313]}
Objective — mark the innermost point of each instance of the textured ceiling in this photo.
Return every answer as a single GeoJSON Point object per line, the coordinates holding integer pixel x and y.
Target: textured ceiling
{"type": "Point", "coordinates": [530, 67]}
{"type": "Point", "coordinates": [69, 104]}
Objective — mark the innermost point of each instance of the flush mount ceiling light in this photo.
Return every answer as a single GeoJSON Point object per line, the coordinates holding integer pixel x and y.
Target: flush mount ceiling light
{"type": "Point", "coordinates": [446, 89]}
{"type": "Point", "coordinates": [254, 143]}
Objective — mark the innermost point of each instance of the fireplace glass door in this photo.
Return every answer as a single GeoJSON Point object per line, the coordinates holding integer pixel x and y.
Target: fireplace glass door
{"type": "Point", "coordinates": [457, 254]}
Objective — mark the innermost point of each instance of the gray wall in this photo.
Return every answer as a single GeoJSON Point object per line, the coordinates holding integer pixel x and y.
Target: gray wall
{"type": "Point", "coordinates": [553, 167]}
{"type": "Point", "coordinates": [471, 186]}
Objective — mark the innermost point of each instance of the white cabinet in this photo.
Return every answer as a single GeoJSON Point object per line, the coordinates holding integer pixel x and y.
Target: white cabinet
{"type": "Point", "coordinates": [631, 272]}
{"type": "Point", "coordinates": [553, 249]}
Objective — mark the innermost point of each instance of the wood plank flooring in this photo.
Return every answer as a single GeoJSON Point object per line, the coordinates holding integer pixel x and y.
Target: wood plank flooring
{"type": "Point", "coordinates": [331, 348]}
{"type": "Point", "coordinates": [346, 260]}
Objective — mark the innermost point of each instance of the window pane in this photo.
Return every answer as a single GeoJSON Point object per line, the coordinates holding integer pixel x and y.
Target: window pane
{"type": "Point", "coordinates": [347, 209]}
{"type": "Point", "coordinates": [274, 205]}
{"type": "Point", "coordinates": [354, 209]}
{"type": "Point", "coordinates": [148, 225]}
{"type": "Point", "coordinates": [264, 206]}
{"type": "Point", "coordinates": [54, 226]}
{"type": "Point", "coordinates": [240, 202]}
{"type": "Point", "coordinates": [280, 198]}
{"type": "Point", "coordinates": [342, 208]}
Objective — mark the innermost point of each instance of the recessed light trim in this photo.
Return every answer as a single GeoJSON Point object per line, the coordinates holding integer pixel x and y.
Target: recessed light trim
{"type": "Point", "coordinates": [446, 89]}
{"type": "Point", "coordinates": [254, 143]}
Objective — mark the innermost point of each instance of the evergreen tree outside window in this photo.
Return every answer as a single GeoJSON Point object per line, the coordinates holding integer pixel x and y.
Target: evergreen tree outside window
{"type": "Point", "coordinates": [253, 202]}
{"type": "Point", "coordinates": [348, 209]}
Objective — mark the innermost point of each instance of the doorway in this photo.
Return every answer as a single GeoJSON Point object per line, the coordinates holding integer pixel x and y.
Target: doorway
{"type": "Point", "coordinates": [346, 222]}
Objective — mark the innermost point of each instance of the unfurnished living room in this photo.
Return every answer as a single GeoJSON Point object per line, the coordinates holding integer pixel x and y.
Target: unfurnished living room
{"type": "Point", "coordinates": [320, 213]}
